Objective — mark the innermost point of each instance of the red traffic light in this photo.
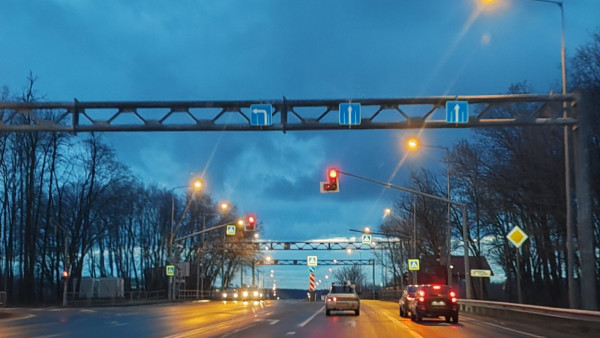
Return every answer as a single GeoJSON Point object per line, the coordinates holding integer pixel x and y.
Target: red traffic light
{"type": "Point", "coordinates": [250, 223]}
{"type": "Point", "coordinates": [65, 274]}
{"type": "Point", "coordinates": [333, 174]}
{"type": "Point", "coordinates": [332, 185]}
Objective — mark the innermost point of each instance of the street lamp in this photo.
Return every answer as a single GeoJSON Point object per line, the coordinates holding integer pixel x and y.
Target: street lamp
{"type": "Point", "coordinates": [566, 142]}
{"type": "Point", "coordinates": [197, 185]}
{"type": "Point", "coordinates": [388, 212]}
{"type": "Point", "coordinates": [413, 145]}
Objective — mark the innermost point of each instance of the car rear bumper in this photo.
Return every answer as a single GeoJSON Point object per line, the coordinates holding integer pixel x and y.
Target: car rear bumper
{"type": "Point", "coordinates": [342, 306]}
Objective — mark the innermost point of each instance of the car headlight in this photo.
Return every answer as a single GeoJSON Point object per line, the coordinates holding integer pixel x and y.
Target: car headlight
{"type": "Point", "coordinates": [255, 293]}
{"type": "Point", "coordinates": [224, 295]}
{"type": "Point", "coordinates": [235, 295]}
{"type": "Point", "coordinates": [245, 294]}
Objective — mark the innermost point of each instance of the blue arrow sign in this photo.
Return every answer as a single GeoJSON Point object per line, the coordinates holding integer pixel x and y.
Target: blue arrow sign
{"type": "Point", "coordinates": [457, 112]}
{"type": "Point", "coordinates": [260, 114]}
{"type": "Point", "coordinates": [349, 114]}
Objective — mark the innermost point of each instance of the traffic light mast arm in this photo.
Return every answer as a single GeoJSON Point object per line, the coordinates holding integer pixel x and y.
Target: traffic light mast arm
{"type": "Point", "coordinates": [465, 225]}
{"type": "Point", "coordinates": [201, 232]}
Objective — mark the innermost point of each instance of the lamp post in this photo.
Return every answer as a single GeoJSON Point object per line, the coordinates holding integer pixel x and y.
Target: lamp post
{"type": "Point", "coordinates": [197, 185]}
{"type": "Point", "coordinates": [566, 145]}
{"type": "Point", "coordinates": [66, 263]}
{"type": "Point", "coordinates": [413, 144]}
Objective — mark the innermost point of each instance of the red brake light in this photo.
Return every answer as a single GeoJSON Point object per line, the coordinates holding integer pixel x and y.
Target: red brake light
{"type": "Point", "coordinates": [436, 287]}
{"type": "Point", "coordinates": [452, 294]}
{"type": "Point", "coordinates": [421, 293]}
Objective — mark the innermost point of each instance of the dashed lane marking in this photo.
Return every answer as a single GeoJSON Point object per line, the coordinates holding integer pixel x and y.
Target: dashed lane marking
{"type": "Point", "coordinates": [312, 317]}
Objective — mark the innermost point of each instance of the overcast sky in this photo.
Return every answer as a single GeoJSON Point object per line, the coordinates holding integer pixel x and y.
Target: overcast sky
{"type": "Point", "coordinates": [256, 50]}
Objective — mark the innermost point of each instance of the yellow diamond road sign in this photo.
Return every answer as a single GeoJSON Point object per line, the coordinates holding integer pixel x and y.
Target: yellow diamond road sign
{"type": "Point", "coordinates": [517, 236]}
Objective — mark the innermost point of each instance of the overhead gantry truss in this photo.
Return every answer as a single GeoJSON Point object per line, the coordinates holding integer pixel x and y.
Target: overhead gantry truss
{"type": "Point", "coordinates": [339, 245]}
{"type": "Point", "coordinates": [400, 113]}
{"type": "Point", "coordinates": [321, 262]}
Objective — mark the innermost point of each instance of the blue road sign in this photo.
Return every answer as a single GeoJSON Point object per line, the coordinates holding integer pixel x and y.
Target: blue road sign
{"type": "Point", "coordinates": [349, 114]}
{"type": "Point", "coordinates": [457, 112]}
{"type": "Point", "coordinates": [260, 114]}
{"type": "Point", "coordinates": [312, 269]}
{"type": "Point", "coordinates": [366, 239]}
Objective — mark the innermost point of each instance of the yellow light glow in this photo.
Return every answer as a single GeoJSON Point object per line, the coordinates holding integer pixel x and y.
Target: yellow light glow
{"type": "Point", "coordinates": [413, 143]}
{"type": "Point", "coordinates": [198, 184]}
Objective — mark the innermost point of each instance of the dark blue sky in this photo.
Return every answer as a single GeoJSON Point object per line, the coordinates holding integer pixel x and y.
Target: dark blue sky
{"type": "Point", "coordinates": [215, 50]}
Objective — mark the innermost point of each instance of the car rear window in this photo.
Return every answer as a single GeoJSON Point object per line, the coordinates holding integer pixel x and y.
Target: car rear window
{"type": "Point", "coordinates": [342, 289]}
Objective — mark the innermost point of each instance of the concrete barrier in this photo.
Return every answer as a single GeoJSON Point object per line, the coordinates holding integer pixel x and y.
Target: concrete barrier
{"type": "Point", "coordinates": [568, 321]}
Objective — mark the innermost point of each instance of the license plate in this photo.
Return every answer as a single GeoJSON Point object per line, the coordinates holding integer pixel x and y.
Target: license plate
{"type": "Point", "coordinates": [438, 303]}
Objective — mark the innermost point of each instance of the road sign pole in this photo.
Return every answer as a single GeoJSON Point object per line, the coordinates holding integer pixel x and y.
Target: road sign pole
{"type": "Point", "coordinates": [519, 289]}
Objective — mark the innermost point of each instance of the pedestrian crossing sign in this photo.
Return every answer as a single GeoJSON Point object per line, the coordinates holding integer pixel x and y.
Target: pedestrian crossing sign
{"type": "Point", "coordinates": [413, 265]}
{"type": "Point", "coordinates": [366, 239]}
{"type": "Point", "coordinates": [311, 260]}
{"type": "Point", "coordinates": [231, 230]}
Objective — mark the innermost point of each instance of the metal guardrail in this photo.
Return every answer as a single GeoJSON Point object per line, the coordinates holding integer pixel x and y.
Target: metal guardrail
{"type": "Point", "coordinates": [568, 321]}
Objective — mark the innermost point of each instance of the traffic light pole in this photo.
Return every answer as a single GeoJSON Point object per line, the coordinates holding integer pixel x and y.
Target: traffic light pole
{"type": "Point", "coordinates": [468, 286]}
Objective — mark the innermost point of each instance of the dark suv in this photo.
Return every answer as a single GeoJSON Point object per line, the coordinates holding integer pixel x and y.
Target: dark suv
{"type": "Point", "coordinates": [433, 301]}
{"type": "Point", "coordinates": [407, 294]}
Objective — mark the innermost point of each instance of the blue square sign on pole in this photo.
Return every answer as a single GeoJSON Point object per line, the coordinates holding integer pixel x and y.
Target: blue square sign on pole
{"type": "Point", "coordinates": [349, 114]}
{"type": "Point", "coordinates": [457, 112]}
{"type": "Point", "coordinates": [260, 114]}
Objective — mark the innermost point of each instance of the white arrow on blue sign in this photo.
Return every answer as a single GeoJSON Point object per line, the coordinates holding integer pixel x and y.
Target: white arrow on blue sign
{"type": "Point", "coordinates": [260, 114]}
{"type": "Point", "coordinates": [349, 114]}
{"type": "Point", "coordinates": [457, 112]}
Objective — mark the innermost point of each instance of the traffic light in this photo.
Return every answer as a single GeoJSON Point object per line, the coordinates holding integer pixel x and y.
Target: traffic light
{"type": "Point", "coordinates": [332, 184]}
{"type": "Point", "coordinates": [65, 274]}
{"type": "Point", "coordinates": [250, 223]}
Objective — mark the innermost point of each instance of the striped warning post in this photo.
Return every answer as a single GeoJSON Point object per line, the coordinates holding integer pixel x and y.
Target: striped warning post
{"type": "Point", "coordinates": [311, 282]}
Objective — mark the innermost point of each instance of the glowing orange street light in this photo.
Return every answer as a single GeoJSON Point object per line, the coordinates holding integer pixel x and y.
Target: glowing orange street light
{"type": "Point", "coordinates": [413, 144]}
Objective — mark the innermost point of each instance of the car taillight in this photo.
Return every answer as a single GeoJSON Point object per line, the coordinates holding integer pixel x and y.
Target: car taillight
{"type": "Point", "coordinates": [409, 298]}
{"type": "Point", "coordinates": [331, 299]}
{"type": "Point", "coordinates": [436, 287]}
{"type": "Point", "coordinates": [452, 294]}
{"type": "Point", "coordinates": [454, 300]}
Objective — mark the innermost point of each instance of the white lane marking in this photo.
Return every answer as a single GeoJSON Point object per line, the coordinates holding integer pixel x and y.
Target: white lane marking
{"type": "Point", "coordinates": [412, 333]}
{"type": "Point", "coordinates": [27, 316]}
{"type": "Point", "coordinates": [506, 328]}
{"type": "Point", "coordinates": [291, 333]}
{"type": "Point", "coordinates": [320, 310]}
